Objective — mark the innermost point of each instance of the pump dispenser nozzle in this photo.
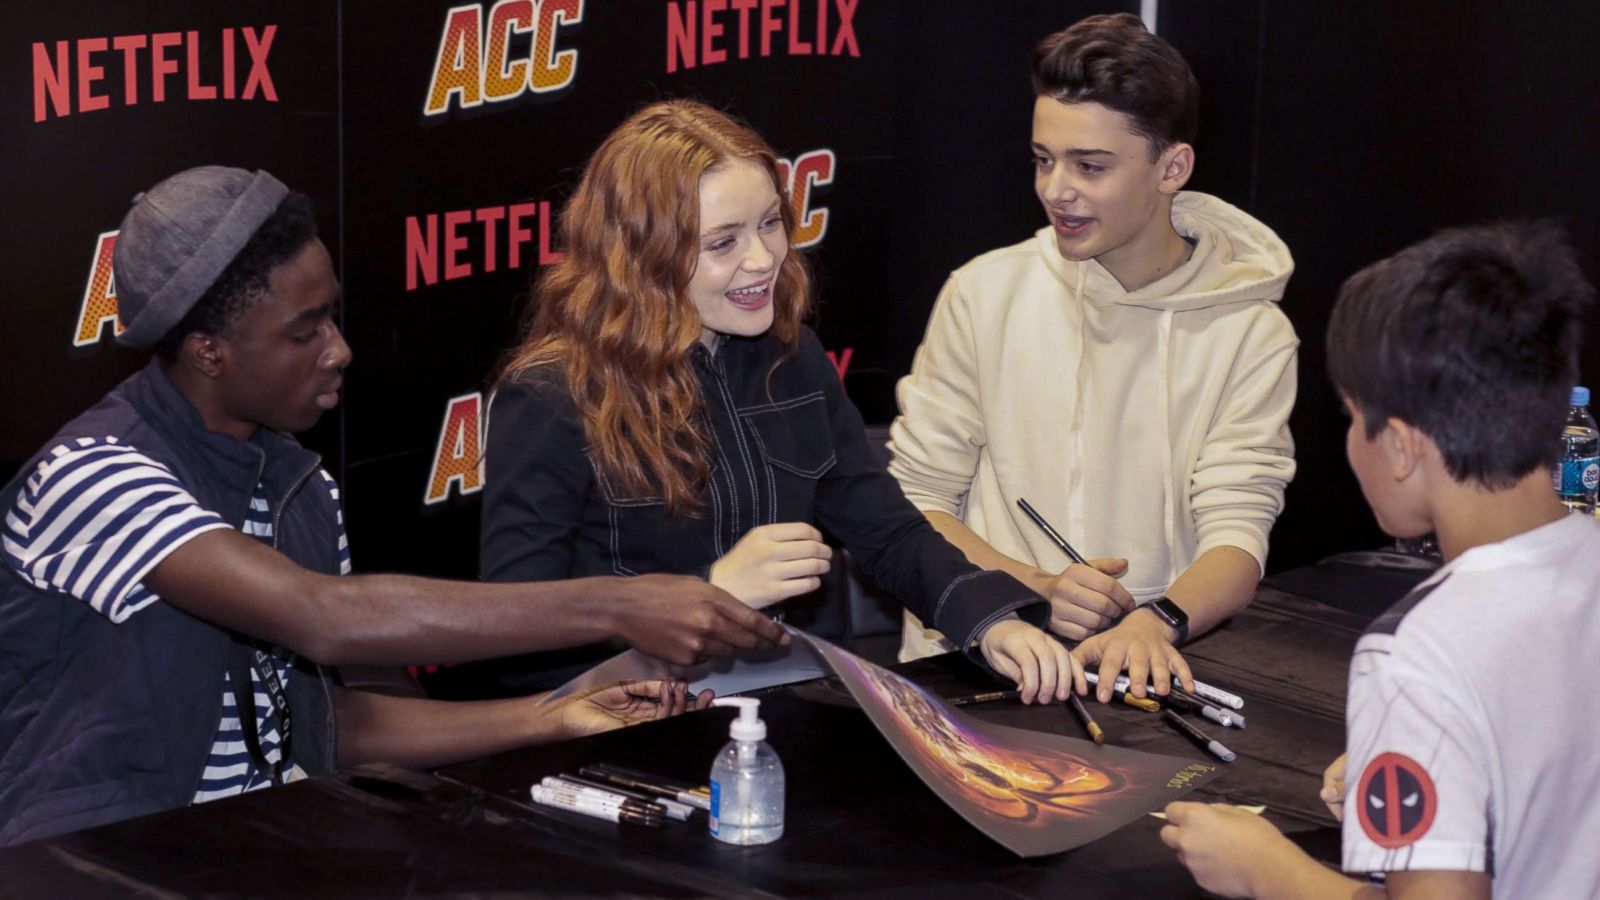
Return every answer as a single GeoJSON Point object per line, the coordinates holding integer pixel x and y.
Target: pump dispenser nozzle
{"type": "Point", "coordinates": [748, 727]}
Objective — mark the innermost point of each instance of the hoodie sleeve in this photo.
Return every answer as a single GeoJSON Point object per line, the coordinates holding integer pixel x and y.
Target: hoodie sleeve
{"type": "Point", "coordinates": [1237, 489]}
{"type": "Point", "coordinates": [936, 439]}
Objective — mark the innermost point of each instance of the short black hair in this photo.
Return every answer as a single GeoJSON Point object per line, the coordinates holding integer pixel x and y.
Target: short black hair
{"type": "Point", "coordinates": [285, 233]}
{"type": "Point", "coordinates": [1471, 336]}
{"type": "Point", "coordinates": [1113, 60]}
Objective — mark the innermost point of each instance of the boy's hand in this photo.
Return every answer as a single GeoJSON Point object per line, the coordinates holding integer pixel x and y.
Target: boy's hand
{"type": "Point", "coordinates": [1227, 849]}
{"type": "Point", "coordinates": [1333, 787]}
{"type": "Point", "coordinates": [623, 704]}
{"type": "Point", "coordinates": [1138, 644]}
{"type": "Point", "coordinates": [1086, 600]}
{"type": "Point", "coordinates": [683, 620]}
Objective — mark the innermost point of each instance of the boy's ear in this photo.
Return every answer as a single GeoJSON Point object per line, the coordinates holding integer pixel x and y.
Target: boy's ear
{"type": "Point", "coordinates": [1406, 447]}
{"type": "Point", "coordinates": [202, 352]}
{"type": "Point", "coordinates": [1177, 164]}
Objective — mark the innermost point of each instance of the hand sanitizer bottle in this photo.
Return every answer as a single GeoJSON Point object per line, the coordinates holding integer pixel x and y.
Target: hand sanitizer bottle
{"type": "Point", "coordinates": [746, 781]}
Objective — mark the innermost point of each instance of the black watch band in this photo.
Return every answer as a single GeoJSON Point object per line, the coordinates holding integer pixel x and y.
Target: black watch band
{"type": "Point", "coordinates": [1173, 615]}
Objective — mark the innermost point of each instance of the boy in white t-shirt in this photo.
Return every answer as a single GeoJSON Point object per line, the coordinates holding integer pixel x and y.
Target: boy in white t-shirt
{"type": "Point", "coordinates": [1470, 767]}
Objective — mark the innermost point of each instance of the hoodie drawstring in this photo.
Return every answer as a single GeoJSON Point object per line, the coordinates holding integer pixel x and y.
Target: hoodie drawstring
{"type": "Point", "coordinates": [1168, 500]}
{"type": "Point", "coordinates": [1075, 516]}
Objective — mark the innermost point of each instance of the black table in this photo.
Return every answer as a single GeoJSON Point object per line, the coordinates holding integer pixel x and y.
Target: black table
{"type": "Point", "coordinates": [859, 823]}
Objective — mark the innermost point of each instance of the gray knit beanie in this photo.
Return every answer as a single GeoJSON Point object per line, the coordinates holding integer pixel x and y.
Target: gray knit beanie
{"type": "Point", "coordinates": [178, 237]}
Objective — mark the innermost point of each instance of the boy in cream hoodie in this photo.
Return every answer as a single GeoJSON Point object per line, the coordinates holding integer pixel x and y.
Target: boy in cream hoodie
{"type": "Point", "coordinates": [1126, 370]}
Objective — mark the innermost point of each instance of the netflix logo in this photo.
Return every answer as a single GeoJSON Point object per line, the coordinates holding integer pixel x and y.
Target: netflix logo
{"type": "Point", "coordinates": [465, 242]}
{"type": "Point", "coordinates": [95, 73]}
{"type": "Point", "coordinates": [707, 32]}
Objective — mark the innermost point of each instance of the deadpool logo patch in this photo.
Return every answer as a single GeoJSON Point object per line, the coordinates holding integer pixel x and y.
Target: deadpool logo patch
{"type": "Point", "coordinates": [1398, 801]}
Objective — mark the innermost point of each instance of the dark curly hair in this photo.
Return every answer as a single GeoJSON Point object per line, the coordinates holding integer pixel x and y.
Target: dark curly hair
{"type": "Point", "coordinates": [1472, 337]}
{"type": "Point", "coordinates": [285, 233]}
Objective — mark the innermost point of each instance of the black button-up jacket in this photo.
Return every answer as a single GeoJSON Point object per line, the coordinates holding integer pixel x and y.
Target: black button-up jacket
{"type": "Point", "coordinates": [786, 448]}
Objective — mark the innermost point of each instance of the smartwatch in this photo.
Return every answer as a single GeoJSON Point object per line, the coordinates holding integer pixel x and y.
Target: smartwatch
{"type": "Point", "coordinates": [1172, 614]}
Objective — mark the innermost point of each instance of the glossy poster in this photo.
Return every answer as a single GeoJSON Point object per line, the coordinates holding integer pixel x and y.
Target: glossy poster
{"type": "Point", "coordinates": [1033, 792]}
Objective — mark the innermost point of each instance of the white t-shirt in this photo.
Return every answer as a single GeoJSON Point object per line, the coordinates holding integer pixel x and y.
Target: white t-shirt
{"type": "Point", "coordinates": [1473, 720]}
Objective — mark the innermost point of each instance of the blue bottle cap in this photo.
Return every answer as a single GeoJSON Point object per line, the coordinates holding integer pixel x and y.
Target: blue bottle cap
{"type": "Point", "coordinates": [1580, 396]}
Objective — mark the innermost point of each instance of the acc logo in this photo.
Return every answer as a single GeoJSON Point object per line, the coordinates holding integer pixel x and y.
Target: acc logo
{"type": "Point", "coordinates": [813, 168]}
{"type": "Point", "coordinates": [458, 457]}
{"type": "Point", "coordinates": [474, 63]}
{"type": "Point", "coordinates": [1398, 801]}
{"type": "Point", "coordinates": [99, 306]}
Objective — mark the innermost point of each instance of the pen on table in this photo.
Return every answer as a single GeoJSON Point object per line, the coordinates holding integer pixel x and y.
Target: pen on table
{"type": "Point", "coordinates": [573, 801]}
{"type": "Point", "coordinates": [1200, 688]}
{"type": "Point", "coordinates": [989, 697]}
{"type": "Point", "coordinates": [1216, 694]}
{"type": "Point", "coordinates": [1198, 736]}
{"type": "Point", "coordinates": [699, 797]}
{"type": "Point", "coordinates": [1051, 533]}
{"type": "Point", "coordinates": [1147, 704]}
{"type": "Point", "coordinates": [1089, 723]}
{"type": "Point", "coordinates": [603, 796]}
{"type": "Point", "coordinates": [1188, 702]}
{"type": "Point", "coordinates": [673, 809]}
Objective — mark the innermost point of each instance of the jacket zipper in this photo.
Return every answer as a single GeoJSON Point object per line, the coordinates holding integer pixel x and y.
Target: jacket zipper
{"type": "Point", "coordinates": [322, 675]}
{"type": "Point", "coordinates": [261, 466]}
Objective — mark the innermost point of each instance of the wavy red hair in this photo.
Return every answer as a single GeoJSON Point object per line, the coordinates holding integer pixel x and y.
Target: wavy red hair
{"type": "Point", "coordinates": [615, 314]}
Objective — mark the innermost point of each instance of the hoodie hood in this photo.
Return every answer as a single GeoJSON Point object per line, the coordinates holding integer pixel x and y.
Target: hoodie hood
{"type": "Point", "coordinates": [1236, 258]}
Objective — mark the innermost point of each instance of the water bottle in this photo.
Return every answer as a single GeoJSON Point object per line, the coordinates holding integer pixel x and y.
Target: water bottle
{"type": "Point", "coordinates": [1577, 476]}
{"type": "Point", "coordinates": [746, 781]}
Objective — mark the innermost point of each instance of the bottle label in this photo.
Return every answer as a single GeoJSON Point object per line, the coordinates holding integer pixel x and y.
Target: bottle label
{"type": "Point", "coordinates": [716, 805]}
{"type": "Point", "coordinates": [1578, 476]}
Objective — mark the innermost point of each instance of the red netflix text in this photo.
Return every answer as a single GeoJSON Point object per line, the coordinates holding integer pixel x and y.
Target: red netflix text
{"type": "Point", "coordinates": [465, 242]}
{"type": "Point", "coordinates": [707, 32]}
{"type": "Point", "coordinates": [84, 75]}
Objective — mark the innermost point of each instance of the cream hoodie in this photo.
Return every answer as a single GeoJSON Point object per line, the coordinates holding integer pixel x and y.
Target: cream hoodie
{"type": "Point", "coordinates": [1151, 424]}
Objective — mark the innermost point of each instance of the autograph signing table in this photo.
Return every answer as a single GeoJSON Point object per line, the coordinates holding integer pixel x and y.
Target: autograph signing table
{"type": "Point", "coordinates": [859, 822]}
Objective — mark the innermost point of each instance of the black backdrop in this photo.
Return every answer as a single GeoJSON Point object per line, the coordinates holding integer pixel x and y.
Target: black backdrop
{"type": "Point", "coordinates": [1351, 129]}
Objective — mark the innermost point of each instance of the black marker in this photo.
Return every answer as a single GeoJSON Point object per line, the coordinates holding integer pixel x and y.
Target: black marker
{"type": "Point", "coordinates": [1190, 703]}
{"type": "Point", "coordinates": [1198, 736]}
{"type": "Point", "coordinates": [1089, 723]}
{"type": "Point", "coordinates": [682, 792]}
{"type": "Point", "coordinates": [990, 697]}
{"type": "Point", "coordinates": [1051, 533]}
{"type": "Point", "coordinates": [673, 809]}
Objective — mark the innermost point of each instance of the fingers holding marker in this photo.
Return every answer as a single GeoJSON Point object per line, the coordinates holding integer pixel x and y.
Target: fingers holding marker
{"type": "Point", "coordinates": [1099, 576]}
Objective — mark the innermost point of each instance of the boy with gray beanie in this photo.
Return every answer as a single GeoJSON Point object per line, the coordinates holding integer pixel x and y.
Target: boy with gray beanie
{"type": "Point", "coordinates": [172, 606]}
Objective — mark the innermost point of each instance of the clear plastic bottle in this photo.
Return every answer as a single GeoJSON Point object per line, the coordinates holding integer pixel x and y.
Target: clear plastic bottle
{"type": "Point", "coordinates": [1577, 474]}
{"type": "Point", "coordinates": [746, 781]}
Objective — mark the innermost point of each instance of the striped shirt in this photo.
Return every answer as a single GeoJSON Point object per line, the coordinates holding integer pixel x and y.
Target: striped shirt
{"type": "Point", "coordinates": [94, 518]}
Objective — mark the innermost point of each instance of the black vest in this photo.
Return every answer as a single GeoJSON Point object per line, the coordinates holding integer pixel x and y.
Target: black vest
{"type": "Point", "coordinates": [101, 722]}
